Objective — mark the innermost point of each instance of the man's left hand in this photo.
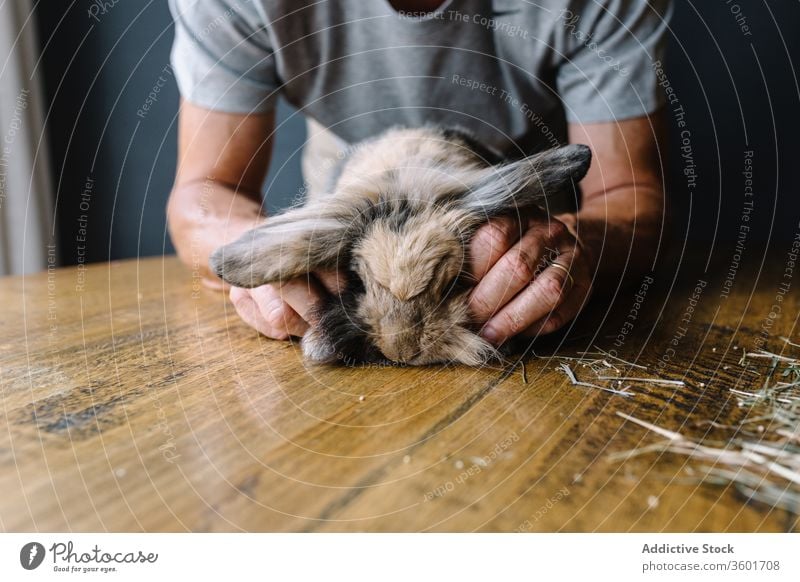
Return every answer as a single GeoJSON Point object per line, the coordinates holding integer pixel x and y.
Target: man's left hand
{"type": "Point", "coordinates": [534, 276]}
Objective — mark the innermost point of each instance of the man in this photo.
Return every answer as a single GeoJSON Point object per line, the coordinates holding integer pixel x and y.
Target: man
{"type": "Point", "coordinates": [521, 76]}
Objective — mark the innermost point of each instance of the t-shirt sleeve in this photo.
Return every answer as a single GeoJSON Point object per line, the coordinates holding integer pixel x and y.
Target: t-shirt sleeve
{"type": "Point", "coordinates": [609, 50]}
{"type": "Point", "coordinates": [221, 56]}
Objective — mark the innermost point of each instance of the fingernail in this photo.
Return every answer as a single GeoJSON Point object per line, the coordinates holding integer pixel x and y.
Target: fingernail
{"type": "Point", "coordinates": [490, 334]}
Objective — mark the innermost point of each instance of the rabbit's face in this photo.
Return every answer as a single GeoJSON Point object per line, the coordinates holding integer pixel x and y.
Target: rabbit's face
{"type": "Point", "coordinates": [413, 270]}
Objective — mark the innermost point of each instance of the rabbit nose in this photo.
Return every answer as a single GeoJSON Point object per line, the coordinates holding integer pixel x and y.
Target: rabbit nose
{"type": "Point", "coordinates": [400, 352]}
{"type": "Point", "coordinates": [400, 340]}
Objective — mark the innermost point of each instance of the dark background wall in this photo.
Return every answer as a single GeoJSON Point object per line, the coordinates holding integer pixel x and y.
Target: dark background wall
{"type": "Point", "coordinates": [99, 73]}
{"type": "Point", "coordinates": [739, 92]}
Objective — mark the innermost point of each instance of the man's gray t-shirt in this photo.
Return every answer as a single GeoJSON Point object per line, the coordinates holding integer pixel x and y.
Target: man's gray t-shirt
{"type": "Point", "coordinates": [513, 72]}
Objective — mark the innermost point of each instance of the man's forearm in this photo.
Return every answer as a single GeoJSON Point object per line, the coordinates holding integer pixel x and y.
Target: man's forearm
{"type": "Point", "coordinates": [620, 230]}
{"type": "Point", "coordinates": [205, 215]}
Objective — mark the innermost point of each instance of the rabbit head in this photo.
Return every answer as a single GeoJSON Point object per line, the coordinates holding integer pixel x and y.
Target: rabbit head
{"type": "Point", "coordinates": [401, 241]}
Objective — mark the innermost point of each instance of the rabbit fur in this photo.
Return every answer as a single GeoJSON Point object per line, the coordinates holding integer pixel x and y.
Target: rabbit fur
{"type": "Point", "coordinates": [397, 220]}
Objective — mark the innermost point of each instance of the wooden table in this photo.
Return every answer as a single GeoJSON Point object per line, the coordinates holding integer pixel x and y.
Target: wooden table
{"type": "Point", "coordinates": [133, 400]}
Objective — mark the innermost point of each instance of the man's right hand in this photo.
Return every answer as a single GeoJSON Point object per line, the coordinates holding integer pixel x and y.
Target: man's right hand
{"type": "Point", "coordinates": [282, 311]}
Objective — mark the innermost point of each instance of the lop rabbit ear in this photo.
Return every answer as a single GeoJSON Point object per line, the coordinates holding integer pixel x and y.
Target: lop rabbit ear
{"type": "Point", "coordinates": [527, 182]}
{"type": "Point", "coordinates": [285, 246]}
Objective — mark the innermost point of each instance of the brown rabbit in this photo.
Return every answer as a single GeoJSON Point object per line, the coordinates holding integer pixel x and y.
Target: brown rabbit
{"type": "Point", "coordinates": [397, 221]}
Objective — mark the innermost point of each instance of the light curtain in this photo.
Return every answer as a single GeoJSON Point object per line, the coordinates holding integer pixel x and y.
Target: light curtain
{"type": "Point", "coordinates": [26, 203]}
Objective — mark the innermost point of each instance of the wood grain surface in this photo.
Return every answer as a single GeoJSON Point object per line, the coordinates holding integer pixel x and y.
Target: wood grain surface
{"type": "Point", "coordinates": [134, 400]}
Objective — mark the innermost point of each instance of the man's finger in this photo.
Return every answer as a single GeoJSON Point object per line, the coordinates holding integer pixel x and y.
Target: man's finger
{"type": "Point", "coordinates": [510, 274]}
{"type": "Point", "coordinates": [544, 294]}
{"type": "Point", "coordinates": [282, 319]}
{"type": "Point", "coordinates": [491, 241]}
{"type": "Point", "coordinates": [303, 294]}
{"type": "Point", "coordinates": [333, 281]}
{"type": "Point", "coordinates": [563, 314]}
{"type": "Point", "coordinates": [248, 311]}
